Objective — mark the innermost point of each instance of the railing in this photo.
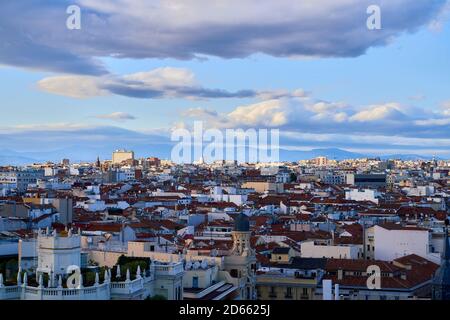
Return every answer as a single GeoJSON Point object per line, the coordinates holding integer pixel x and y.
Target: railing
{"type": "Point", "coordinates": [172, 269]}
{"type": "Point", "coordinates": [97, 292]}
{"type": "Point", "coordinates": [10, 293]}
{"type": "Point", "coordinates": [127, 287]}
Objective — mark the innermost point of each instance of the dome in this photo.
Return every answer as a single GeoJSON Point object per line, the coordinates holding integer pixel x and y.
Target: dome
{"type": "Point", "coordinates": [241, 223]}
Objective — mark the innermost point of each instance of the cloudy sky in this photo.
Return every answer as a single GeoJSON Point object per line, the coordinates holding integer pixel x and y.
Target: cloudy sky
{"type": "Point", "coordinates": [312, 68]}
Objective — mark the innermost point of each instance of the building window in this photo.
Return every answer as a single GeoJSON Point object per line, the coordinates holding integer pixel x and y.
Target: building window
{"type": "Point", "coordinates": [289, 293]}
{"type": "Point", "coordinates": [195, 282]}
{"type": "Point", "coordinates": [272, 293]}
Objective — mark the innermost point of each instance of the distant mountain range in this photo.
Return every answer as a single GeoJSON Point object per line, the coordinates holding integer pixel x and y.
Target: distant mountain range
{"type": "Point", "coordinates": [79, 153]}
{"type": "Point", "coordinates": [340, 154]}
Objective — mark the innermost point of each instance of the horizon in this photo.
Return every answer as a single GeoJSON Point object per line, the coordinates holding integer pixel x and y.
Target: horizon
{"type": "Point", "coordinates": [318, 154]}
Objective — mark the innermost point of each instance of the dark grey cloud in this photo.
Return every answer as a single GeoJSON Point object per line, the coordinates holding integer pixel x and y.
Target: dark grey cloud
{"type": "Point", "coordinates": [117, 116]}
{"type": "Point", "coordinates": [155, 84]}
{"type": "Point", "coordinates": [26, 33]}
{"type": "Point", "coordinates": [34, 34]}
{"type": "Point", "coordinates": [126, 89]}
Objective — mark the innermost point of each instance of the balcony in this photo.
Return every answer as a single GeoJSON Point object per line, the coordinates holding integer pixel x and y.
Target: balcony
{"type": "Point", "coordinates": [167, 269]}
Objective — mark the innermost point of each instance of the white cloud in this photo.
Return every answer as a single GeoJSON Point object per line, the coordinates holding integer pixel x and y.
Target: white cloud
{"type": "Point", "coordinates": [271, 113]}
{"type": "Point", "coordinates": [445, 106]}
{"type": "Point", "coordinates": [162, 77]}
{"type": "Point", "coordinates": [73, 86]}
{"type": "Point", "coordinates": [116, 116]}
{"type": "Point", "coordinates": [329, 118]}
{"type": "Point", "coordinates": [433, 122]}
{"type": "Point", "coordinates": [325, 107]}
{"type": "Point", "coordinates": [438, 22]}
{"type": "Point", "coordinates": [378, 112]}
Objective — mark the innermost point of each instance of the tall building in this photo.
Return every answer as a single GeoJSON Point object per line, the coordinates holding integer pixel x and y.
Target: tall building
{"type": "Point", "coordinates": [367, 180]}
{"type": "Point", "coordinates": [20, 179]}
{"type": "Point", "coordinates": [64, 206]}
{"type": "Point", "coordinates": [119, 156]}
{"type": "Point", "coordinates": [441, 281]}
{"type": "Point", "coordinates": [321, 161]}
{"type": "Point", "coordinates": [241, 263]}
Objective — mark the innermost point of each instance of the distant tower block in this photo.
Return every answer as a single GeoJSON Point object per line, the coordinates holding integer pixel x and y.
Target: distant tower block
{"type": "Point", "coordinates": [321, 161]}
{"type": "Point", "coordinates": [122, 155]}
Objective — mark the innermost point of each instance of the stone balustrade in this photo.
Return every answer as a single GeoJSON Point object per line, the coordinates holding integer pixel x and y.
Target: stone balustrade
{"type": "Point", "coordinates": [105, 291]}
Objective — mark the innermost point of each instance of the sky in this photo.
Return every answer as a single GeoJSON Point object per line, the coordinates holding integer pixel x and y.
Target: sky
{"type": "Point", "coordinates": [138, 69]}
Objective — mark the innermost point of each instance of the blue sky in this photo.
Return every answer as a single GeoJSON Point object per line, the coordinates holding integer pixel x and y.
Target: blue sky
{"type": "Point", "coordinates": [380, 91]}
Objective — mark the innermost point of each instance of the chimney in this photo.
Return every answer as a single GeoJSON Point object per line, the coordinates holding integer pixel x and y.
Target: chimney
{"type": "Point", "coordinates": [340, 274]}
{"type": "Point", "coordinates": [326, 290]}
{"type": "Point", "coordinates": [336, 292]}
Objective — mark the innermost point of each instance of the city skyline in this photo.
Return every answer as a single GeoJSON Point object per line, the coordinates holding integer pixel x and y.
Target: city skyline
{"type": "Point", "coordinates": [224, 155]}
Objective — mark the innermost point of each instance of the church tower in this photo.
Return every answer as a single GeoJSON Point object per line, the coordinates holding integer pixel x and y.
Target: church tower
{"type": "Point", "coordinates": [441, 281]}
{"type": "Point", "coordinates": [241, 236]}
{"type": "Point", "coordinates": [241, 261]}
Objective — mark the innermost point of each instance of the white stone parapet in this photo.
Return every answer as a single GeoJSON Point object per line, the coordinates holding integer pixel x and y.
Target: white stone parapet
{"type": "Point", "coordinates": [105, 291]}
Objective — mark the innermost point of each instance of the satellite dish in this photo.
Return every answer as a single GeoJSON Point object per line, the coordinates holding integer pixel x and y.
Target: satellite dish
{"type": "Point", "coordinates": [196, 265]}
{"type": "Point", "coordinates": [204, 264]}
{"type": "Point", "coordinates": [189, 265]}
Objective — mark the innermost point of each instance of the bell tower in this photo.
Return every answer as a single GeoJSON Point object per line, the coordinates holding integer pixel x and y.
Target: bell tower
{"type": "Point", "coordinates": [241, 262]}
{"type": "Point", "coordinates": [241, 236]}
